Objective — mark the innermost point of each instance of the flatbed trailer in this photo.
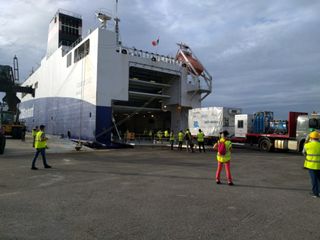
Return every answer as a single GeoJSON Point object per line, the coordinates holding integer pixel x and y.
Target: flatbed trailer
{"type": "Point", "coordinates": [294, 139]}
{"type": "Point", "coordinates": [266, 142]}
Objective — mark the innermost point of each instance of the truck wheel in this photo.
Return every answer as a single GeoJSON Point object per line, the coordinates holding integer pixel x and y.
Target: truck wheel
{"type": "Point", "coordinates": [301, 145]}
{"type": "Point", "coordinates": [265, 145]}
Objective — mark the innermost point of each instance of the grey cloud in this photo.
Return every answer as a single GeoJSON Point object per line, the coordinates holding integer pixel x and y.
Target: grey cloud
{"type": "Point", "coordinates": [263, 55]}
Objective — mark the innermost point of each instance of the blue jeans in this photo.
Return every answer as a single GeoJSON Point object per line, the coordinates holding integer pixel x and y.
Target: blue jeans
{"type": "Point", "coordinates": [43, 154]}
{"type": "Point", "coordinates": [315, 178]}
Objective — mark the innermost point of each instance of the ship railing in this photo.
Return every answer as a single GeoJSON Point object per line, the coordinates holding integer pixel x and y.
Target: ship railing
{"type": "Point", "coordinates": [33, 70]}
{"type": "Point", "coordinates": [154, 140]}
{"type": "Point", "coordinates": [153, 56]}
{"type": "Point", "coordinates": [136, 138]}
{"type": "Point", "coordinates": [197, 83]}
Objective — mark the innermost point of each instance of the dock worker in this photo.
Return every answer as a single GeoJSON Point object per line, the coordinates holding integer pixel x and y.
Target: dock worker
{"type": "Point", "coordinates": [189, 142]}
{"type": "Point", "coordinates": [166, 135]}
{"type": "Point", "coordinates": [311, 151]}
{"type": "Point", "coordinates": [34, 133]}
{"type": "Point", "coordinates": [180, 140]}
{"type": "Point", "coordinates": [310, 131]}
{"type": "Point", "coordinates": [172, 139]}
{"type": "Point", "coordinates": [223, 148]}
{"type": "Point", "coordinates": [159, 135]}
{"type": "Point", "coordinates": [200, 139]}
{"type": "Point", "coordinates": [40, 146]}
{"type": "Point", "coordinates": [150, 135]}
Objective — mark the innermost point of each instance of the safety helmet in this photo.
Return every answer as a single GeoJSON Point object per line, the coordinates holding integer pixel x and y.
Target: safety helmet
{"type": "Point", "coordinates": [314, 135]}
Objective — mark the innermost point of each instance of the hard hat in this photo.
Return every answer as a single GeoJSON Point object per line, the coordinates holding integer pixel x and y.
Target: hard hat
{"type": "Point", "coordinates": [315, 135]}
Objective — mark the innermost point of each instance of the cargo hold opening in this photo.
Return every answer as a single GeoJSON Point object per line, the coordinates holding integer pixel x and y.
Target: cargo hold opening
{"type": "Point", "coordinates": [146, 109]}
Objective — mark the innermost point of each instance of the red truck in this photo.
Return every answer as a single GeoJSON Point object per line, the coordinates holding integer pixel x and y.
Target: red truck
{"type": "Point", "coordinates": [261, 130]}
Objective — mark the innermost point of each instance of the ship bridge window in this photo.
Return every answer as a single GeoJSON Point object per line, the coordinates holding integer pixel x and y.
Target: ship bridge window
{"type": "Point", "coordinates": [82, 51]}
{"type": "Point", "coordinates": [69, 59]}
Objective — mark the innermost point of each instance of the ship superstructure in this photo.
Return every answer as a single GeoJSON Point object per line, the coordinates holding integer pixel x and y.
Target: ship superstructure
{"type": "Point", "coordinates": [90, 86]}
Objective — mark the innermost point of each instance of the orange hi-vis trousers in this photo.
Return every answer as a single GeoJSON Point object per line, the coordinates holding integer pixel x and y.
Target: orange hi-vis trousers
{"type": "Point", "coordinates": [228, 172]}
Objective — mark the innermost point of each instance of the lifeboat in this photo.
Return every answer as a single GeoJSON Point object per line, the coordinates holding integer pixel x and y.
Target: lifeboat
{"type": "Point", "coordinates": [196, 68]}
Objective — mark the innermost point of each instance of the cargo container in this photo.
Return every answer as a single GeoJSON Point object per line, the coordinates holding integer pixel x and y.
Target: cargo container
{"type": "Point", "coordinates": [244, 125]}
{"type": "Point", "coordinates": [212, 120]}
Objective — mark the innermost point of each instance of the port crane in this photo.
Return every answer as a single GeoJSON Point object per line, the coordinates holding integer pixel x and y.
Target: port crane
{"type": "Point", "coordinates": [9, 112]}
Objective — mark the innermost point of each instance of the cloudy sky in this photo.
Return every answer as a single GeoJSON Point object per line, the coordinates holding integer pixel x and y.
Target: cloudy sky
{"type": "Point", "coordinates": [264, 55]}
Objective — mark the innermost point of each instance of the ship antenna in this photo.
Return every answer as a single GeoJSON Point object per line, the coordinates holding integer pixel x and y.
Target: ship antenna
{"type": "Point", "coordinates": [117, 20]}
{"type": "Point", "coordinates": [103, 17]}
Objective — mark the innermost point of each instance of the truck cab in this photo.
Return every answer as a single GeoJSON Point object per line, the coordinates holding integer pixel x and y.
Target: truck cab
{"type": "Point", "coordinates": [304, 124]}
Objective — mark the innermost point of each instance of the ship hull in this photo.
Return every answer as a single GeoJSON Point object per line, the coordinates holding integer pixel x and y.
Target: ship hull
{"type": "Point", "coordinates": [81, 119]}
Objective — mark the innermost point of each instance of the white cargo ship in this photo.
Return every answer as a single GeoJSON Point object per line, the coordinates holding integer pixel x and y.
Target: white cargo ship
{"type": "Point", "coordinates": [94, 87]}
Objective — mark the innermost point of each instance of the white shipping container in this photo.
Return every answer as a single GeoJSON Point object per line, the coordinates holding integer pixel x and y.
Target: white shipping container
{"type": "Point", "coordinates": [243, 124]}
{"type": "Point", "coordinates": [212, 120]}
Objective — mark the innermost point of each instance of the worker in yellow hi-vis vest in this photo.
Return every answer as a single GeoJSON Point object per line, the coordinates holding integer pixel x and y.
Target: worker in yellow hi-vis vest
{"type": "Point", "coordinates": [180, 140]}
{"type": "Point", "coordinates": [166, 135]}
{"type": "Point", "coordinates": [34, 133]}
{"type": "Point", "coordinates": [172, 138]}
{"type": "Point", "coordinates": [200, 139]}
{"type": "Point", "coordinates": [312, 162]}
{"type": "Point", "coordinates": [40, 146]}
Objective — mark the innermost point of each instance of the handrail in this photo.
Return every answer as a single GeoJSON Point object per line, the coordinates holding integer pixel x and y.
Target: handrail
{"type": "Point", "coordinates": [153, 56]}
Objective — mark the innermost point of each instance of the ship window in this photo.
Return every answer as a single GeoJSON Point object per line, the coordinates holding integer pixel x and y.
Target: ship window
{"type": "Point", "coordinates": [240, 124]}
{"type": "Point", "coordinates": [82, 51]}
{"type": "Point", "coordinates": [36, 85]}
{"type": "Point", "coordinates": [69, 59]}
{"type": "Point", "coordinates": [314, 123]}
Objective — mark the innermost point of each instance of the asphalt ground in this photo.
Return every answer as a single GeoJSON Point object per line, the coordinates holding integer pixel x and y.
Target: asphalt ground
{"type": "Point", "coordinates": [153, 193]}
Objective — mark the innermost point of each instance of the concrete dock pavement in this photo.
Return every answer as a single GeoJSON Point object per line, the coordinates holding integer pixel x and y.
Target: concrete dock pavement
{"type": "Point", "coordinates": [55, 143]}
{"type": "Point", "coordinates": [154, 193]}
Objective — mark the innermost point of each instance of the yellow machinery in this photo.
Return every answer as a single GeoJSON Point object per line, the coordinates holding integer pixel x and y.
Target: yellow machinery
{"type": "Point", "coordinates": [10, 126]}
{"type": "Point", "coordinates": [9, 84]}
